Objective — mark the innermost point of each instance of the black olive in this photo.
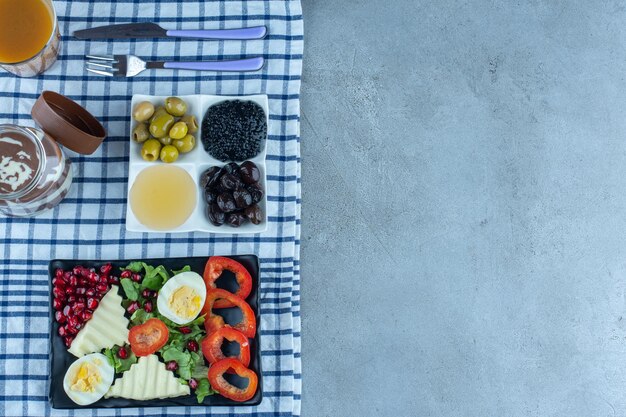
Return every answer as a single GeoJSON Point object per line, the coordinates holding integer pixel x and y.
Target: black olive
{"type": "Point", "coordinates": [236, 219]}
{"type": "Point", "coordinates": [255, 192]}
{"type": "Point", "coordinates": [226, 202]}
{"type": "Point", "coordinates": [209, 196]}
{"type": "Point", "coordinates": [209, 177]}
{"type": "Point", "coordinates": [230, 182]}
{"type": "Point", "coordinates": [215, 215]}
{"type": "Point", "coordinates": [249, 172]}
{"type": "Point", "coordinates": [242, 198]}
{"type": "Point", "coordinates": [254, 214]}
{"type": "Point", "coordinates": [231, 168]}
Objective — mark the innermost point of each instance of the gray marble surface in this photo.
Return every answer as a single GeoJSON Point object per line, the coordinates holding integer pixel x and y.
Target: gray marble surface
{"type": "Point", "coordinates": [464, 210]}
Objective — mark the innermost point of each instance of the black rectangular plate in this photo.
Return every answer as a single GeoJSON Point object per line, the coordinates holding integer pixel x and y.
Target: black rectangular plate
{"type": "Point", "coordinates": [60, 358]}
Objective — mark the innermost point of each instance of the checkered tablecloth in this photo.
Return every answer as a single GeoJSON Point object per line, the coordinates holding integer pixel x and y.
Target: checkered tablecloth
{"type": "Point", "coordinates": [89, 223]}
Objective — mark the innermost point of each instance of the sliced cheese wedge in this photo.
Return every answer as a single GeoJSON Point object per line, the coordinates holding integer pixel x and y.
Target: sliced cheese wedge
{"type": "Point", "coordinates": [146, 380]}
{"type": "Point", "coordinates": [107, 327]}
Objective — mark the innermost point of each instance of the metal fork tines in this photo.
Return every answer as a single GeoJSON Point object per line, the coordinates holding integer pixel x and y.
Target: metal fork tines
{"type": "Point", "coordinates": [130, 65]}
{"type": "Point", "coordinates": [110, 65]}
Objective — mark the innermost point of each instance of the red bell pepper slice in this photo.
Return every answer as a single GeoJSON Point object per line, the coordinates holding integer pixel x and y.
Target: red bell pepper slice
{"type": "Point", "coordinates": [215, 266]}
{"type": "Point", "coordinates": [225, 388]}
{"type": "Point", "coordinates": [147, 338]}
{"type": "Point", "coordinates": [212, 322]}
{"type": "Point", "coordinates": [212, 345]}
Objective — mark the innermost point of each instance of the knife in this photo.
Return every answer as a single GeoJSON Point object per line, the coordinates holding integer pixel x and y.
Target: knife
{"type": "Point", "coordinates": [152, 30]}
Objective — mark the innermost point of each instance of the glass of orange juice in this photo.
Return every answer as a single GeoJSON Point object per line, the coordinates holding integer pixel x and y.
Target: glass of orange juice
{"type": "Point", "coordinates": [29, 36]}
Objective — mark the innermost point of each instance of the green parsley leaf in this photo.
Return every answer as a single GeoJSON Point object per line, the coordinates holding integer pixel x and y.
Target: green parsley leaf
{"type": "Point", "coordinates": [140, 316]}
{"type": "Point", "coordinates": [185, 268]}
{"type": "Point", "coordinates": [155, 278]}
{"type": "Point", "coordinates": [132, 293]}
{"type": "Point", "coordinates": [120, 365]}
{"type": "Point", "coordinates": [134, 266]}
{"type": "Point", "coordinates": [204, 389]}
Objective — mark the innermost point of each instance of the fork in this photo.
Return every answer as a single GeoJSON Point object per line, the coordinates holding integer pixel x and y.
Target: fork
{"type": "Point", "coordinates": [130, 65]}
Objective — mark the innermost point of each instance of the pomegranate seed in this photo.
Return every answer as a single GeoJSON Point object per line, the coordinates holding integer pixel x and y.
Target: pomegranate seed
{"type": "Point", "coordinates": [114, 280]}
{"type": "Point", "coordinates": [70, 290]}
{"type": "Point", "coordinates": [193, 384]}
{"type": "Point", "coordinates": [136, 277]}
{"type": "Point", "coordinates": [146, 293]}
{"type": "Point", "coordinates": [122, 353]}
{"type": "Point", "coordinates": [57, 304]}
{"type": "Point", "coordinates": [73, 281]}
{"type": "Point", "coordinates": [171, 366]}
{"type": "Point", "coordinates": [92, 303]}
{"type": "Point", "coordinates": [78, 308]}
{"type": "Point", "coordinates": [106, 269]}
{"type": "Point", "coordinates": [77, 270]}
{"type": "Point", "coordinates": [81, 291]}
{"type": "Point", "coordinates": [68, 340]}
{"type": "Point", "coordinates": [126, 273]}
{"type": "Point", "coordinates": [86, 315]}
{"type": "Point", "coordinates": [185, 330]}
{"type": "Point", "coordinates": [93, 277]}
{"type": "Point", "coordinates": [101, 288]}
{"type": "Point", "coordinates": [70, 330]}
{"type": "Point", "coordinates": [192, 345]}
{"type": "Point", "coordinates": [132, 307]}
{"type": "Point", "coordinates": [90, 292]}
{"type": "Point", "coordinates": [147, 306]}
{"type": "Point", "coordinates": [58, 292]}
{"type": "Point", "coordinates": [67, 310]}
{"type": "Point", "coordinates": [59, 317]}
{"type": "Point", "coordinates": [58, 273]}
{"type": "Point", "coordinates": [67, 275]}
{"type": "Point", "coordinates": [58, 282]}
{"type": "Point", "coordinates": [71, 299]}
{"type": "Point", "coordinates": [81, 299]}
{"type": "Point", "coordinates": [62, 331]}
{"type": "Point", "coordinates": [72, 321]}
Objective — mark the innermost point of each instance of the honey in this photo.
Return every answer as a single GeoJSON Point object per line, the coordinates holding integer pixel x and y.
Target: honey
{"type": "Point", "coordinates": [163, 197]}
{"type": "Point", "coordinates": [25, 28]}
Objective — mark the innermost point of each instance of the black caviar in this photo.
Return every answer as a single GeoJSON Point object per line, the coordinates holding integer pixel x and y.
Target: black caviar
{"type": "Point", "coordinates": [234, 130]}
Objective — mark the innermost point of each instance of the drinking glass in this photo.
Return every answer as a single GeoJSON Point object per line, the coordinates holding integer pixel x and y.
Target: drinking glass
{"type": "Point", "coordinates": [47, 56]}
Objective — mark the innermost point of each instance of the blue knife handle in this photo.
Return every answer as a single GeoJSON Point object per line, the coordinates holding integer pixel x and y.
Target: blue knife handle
{"type": "Point", "coordinates": [257, 32]}
{"type": "Point", "coordinates": [249, 64]}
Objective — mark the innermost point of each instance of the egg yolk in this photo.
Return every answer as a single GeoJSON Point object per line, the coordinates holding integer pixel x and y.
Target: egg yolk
{"type": "Point", "coordinates": [185, 302]}
{"type": "Point", "coordinates": [86, 378]}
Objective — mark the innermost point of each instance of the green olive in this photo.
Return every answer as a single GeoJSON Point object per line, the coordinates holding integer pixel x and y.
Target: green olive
{"type": "Point", "coordinates": [140, 133]}
{"type": "Point", "coordinates": [169, 154]}
{"type": "Point", "coordinates": [165, 140]}
{"type": "Point", "coordinates": [178, 131]}
{"type": "Point", "coordinates": [150, 150]}
{"type": "Point", "coordinates": [143, 111]}
{"type": "Point", "coordinates": [175, 106]}
{"type": "Point", "coordinates": [185, 144]}
{"type": "Point", "coordinates": [157, 112]}
{"type": "Point", "coordinates": [161, 124]}
{"type": "Point", "coordinates": [191, 122]}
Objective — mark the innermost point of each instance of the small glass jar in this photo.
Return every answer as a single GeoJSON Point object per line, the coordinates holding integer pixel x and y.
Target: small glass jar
{"type": "Point", "coordinates": [35, 174]}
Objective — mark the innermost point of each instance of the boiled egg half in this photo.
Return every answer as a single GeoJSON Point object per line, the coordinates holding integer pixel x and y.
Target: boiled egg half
{"type": "Point", "coordinates": [88, 379]}
{"type": "Point", "coordinates": [182, 297]}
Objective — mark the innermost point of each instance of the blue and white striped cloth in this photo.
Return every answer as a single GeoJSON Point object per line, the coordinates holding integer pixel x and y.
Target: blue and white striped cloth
{"type": "Point", "coordinates": [89, 223]}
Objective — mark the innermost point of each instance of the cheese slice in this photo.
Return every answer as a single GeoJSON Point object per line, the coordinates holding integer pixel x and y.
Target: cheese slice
{"type": "Point", "coordinates": [146, 380]}
{"type": "Point", "coordinates": [107, 327]}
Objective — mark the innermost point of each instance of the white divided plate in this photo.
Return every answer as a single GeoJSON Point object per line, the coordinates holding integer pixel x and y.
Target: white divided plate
{"type": "Point", "coordinates": [195, 162]}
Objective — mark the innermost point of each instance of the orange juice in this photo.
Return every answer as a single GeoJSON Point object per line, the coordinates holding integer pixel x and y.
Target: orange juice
{"type": "Point", "coordinates": [25, 28]}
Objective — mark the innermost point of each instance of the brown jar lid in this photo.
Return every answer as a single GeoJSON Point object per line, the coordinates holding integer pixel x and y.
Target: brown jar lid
{"type": "Point", "coordinates": [68, 123]}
